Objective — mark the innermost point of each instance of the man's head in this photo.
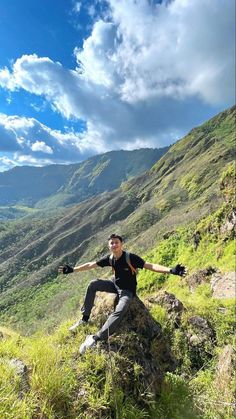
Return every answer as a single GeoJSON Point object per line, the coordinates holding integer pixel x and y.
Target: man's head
{"type": "Point", "coordinates": [115, 236]}
{"type": "Point", "coordinates": [115, 243]}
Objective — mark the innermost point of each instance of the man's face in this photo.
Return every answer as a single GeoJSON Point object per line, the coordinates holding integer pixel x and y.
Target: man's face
{"type": "Point", "coordinates": [115, 245]}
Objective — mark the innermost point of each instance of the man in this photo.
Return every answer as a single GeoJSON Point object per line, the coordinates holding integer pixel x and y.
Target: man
{"type": "Point", "coordinates": [124, 284]}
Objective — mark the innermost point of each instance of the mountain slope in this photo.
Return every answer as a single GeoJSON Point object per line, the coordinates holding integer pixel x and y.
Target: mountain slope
{"type": "Point", "coordinates": [59, 185]}
{"type": "Point", "coordinates": [192, 165]}
{"type": "Point", "coordinates": [143, 210]}
{"type": "Point", "coordinates": [181, 329]}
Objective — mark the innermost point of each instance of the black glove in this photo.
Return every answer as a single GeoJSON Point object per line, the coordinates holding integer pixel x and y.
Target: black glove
{"type": "Point", "coordinates": [67, 269]}
{"type": "Point", "coordinates": [178, 270]}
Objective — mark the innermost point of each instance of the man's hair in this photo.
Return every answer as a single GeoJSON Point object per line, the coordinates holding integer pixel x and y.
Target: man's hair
{"type": "Point", "coordinates": [115, 236]}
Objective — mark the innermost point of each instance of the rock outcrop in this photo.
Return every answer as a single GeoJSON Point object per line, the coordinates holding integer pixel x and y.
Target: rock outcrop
{"type": "Point", "coordinates": [201, 341]}
{"type": "Point", "coordinates": [199, 277]}
{"type": "Point", "coordinates": [225, 368]}
{"type": "Point", "coordinates": [139, 341]}
{"type": "Point", "coordinates": [223, 285]}
{"type": "Point", "coordinates": [21, 371]}
{"type": "Point", "coordinates": [230, 223]}
{"type": "Point", "coordinates": [173, 306]}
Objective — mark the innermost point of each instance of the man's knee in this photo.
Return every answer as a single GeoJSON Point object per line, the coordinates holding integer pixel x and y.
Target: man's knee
{"type": "Point", "coordinates": [123, 304]}
{"type": "Point", "coordinates": [93, 284]}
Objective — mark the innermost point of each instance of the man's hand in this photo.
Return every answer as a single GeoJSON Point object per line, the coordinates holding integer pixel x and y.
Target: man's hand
{"type": "Point", "coordinates": [178, 270]}
{"type": "Point", "coordinates": [65, 269]}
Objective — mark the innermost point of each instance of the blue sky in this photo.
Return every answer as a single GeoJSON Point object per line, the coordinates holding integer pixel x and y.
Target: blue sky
{"type": "Point", "coordinates": [79, 78]}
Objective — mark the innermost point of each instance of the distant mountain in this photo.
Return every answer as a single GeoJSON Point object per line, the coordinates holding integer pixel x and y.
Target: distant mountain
{"type": "Point", "coordinates": [60, 185]}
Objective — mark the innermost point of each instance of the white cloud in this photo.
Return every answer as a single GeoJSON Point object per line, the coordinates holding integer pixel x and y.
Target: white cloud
{"type": "Point", "coordinates": [95, 59]}
{"type": "Point", "coordinates": [39, 107]}
{"type": "Point", "coordinates": [31, 142]}
{"type": "Point", "coordinates": [77, 7]}
{"type": "Point", "coordinates": [6, 163]}
{"type": "Point", "coordinates": [147, 73]}
{"type": "Point", "coordinates": [113, 120]}
{"type": "Point", "coordinates": [29, 160]}
{"type": "Point", "coordinates": [91, 9]}
{"type": "Point", "coordinates": [8, 138]}
{"type": "Point", "coordinates": [41, 146]}
{"type": "Point", "coordinates": [178, 50]}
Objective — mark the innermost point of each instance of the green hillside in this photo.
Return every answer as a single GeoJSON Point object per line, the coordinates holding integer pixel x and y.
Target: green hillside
{"type": "Point", "coordinates": [143, 210]}
{"type": "Point", "coordinates": [60, 185]}
{"type": "Point", "coordinates": [112, 380]}
{"type": "Point", "coordinates": [175, 356]}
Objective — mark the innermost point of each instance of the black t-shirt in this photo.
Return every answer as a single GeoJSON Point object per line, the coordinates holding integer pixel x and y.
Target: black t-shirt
{"type": "Point", "coordinates": [124, 278]}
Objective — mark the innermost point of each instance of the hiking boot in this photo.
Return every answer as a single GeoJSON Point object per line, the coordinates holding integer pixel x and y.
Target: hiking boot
{"type": "Point", "coordinates": [75, 326]}
{"type": "Point", "coordinates": [89, 342]}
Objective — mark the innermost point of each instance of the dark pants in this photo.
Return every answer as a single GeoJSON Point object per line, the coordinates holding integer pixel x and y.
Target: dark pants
{"type": "Point", "coordinates": [113, 321]}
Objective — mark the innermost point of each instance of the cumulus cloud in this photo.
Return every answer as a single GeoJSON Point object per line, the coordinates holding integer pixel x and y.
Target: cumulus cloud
{"type": "Point", "coordinates": [6, 163]}
{"type": "Point", "coordinates": [115, 122]}
{"type": "Point", "coordinates": [146, 74]}
{"type": "Point", "coordinates": [175, 49]}
{"type": "Point", "coordinates": [8, 139]}
{"type": "Point", "coordinates": [34, 143]}
{"type": "Point", "coordinates": [41, 146]}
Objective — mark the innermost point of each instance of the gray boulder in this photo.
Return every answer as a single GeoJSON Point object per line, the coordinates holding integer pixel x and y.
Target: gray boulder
{"type": "Point", "coordinates": [223, 285]}
{"type": "Point", "coordinates": [173, 306]}
{"type": "Point", "coordinates": [22, 371]}
{"type": "Point", "coordinates": [225, 368]}
{"type": "Point", "coordinates": [202, 276]}
{"type": "Point", "coordinates": [138, 341]}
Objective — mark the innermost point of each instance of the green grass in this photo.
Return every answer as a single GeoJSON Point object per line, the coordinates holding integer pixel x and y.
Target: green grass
{"type": "Point", "coordinates": [62, 384]}
{"type": "Point", "coordinates": [45, 306]}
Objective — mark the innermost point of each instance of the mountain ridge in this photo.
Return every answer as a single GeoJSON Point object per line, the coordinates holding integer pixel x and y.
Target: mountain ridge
{"type": "Point", "coordinates": [60, 185]}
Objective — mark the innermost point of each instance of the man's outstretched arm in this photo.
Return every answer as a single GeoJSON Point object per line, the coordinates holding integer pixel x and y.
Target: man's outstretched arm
{"type": "Point", "coordinates": [176, 270]}
{"type": "Point", "coordinates": [67, 269]}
